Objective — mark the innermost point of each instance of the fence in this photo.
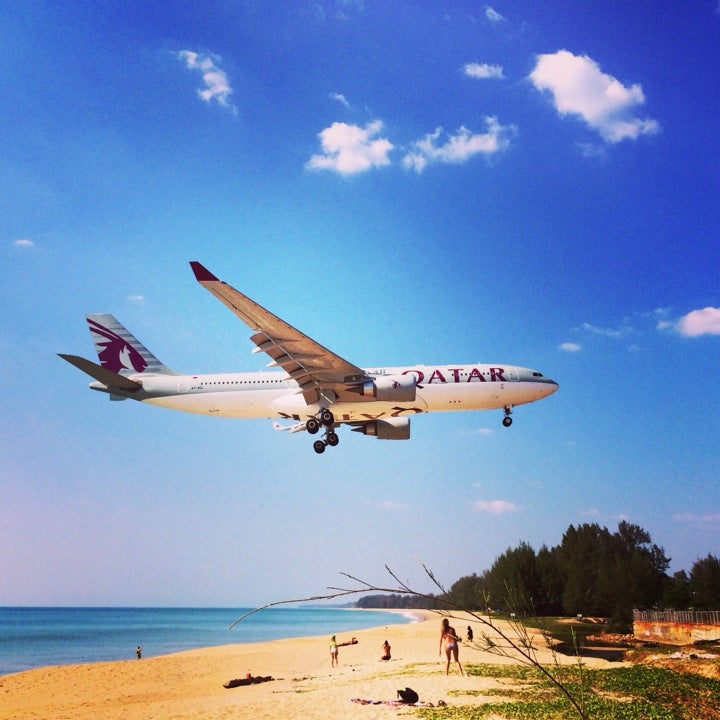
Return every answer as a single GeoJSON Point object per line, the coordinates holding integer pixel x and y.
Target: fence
{"type": "Point", "coordinates": [691, 617]}
{"type": "Point", "coordinates": [676, 627]}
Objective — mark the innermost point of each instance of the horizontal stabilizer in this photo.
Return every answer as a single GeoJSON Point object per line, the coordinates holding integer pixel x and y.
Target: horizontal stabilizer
{"type": "Point", "coordinates": [101, 374]}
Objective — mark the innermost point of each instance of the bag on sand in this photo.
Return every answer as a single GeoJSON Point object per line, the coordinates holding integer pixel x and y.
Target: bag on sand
{"type": "Point", "coordinates": [408, 696]}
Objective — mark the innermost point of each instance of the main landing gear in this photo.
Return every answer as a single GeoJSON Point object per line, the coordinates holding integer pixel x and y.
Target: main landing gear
{"type": "Point", "coordinates": [327, 420]}
{"type": "Point", "coordinates": [507, 420]}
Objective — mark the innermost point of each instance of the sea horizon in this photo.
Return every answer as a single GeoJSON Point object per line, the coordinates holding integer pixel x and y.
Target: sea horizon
{"type": "Point", "coordinates": [42, 636]}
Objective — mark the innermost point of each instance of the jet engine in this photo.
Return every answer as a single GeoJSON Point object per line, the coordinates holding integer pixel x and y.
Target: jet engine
{"type": "Point", "coordinates": [391, 388]}
{"type": "Point", "coordinates": [397, 428]}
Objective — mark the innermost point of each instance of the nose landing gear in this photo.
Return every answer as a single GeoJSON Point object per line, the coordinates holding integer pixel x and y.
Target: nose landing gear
{"type": "Point", "coordinates": [507, 420]}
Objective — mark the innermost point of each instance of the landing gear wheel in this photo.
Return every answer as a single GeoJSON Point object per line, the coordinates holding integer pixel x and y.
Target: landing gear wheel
{"type": "Point", "coordinates": [319, 447]}
{"type": "Point", "coordinates": [507, 420]}
{"type": "Point", "coordinates": [326, 417]}
{"type": "Point", "coordinates": [312, 426]}
{"type": "Point", "coordinates": [332, 439]}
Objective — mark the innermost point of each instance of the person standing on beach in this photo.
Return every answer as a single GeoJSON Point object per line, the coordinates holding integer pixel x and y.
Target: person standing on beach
{"type": "Point", "coordinates": [333, 652]}
{"type": "Point", "coordinates": [138, 653]}
{"type": "Point", "coordinates": [449, 638]}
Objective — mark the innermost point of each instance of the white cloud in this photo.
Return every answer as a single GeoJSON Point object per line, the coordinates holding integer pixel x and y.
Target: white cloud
{"type": "Point", "coordinates": [483, 71]}
{"type": "Point", "coordinates": [579, 87]}
{"type": "Point", "coordinates": [700, 322]}
{"type": "Point", "coordinates": [493, 15]}
{"type": "Point", "coordinates": [607, 332]}
{"type": "Point", "coordinates": [495, 507]}
{"type": "Point", "coordinates": [485, 431]}
{"type": "Point", "coordinates": [24, 243]}
{"type": "Point", "coordinates": [712, 517]}
{"type": "Point", "coordinates": [136, 298]}
{"type": "Point", "coordinates": [349, 149]}
{"type": "Point", "coordinates": [457, 148]}
{"type": "Point", "coordinates": [351, 6]}
{"type": "Point", "coordinates": [391, 505]}
{"type": "Point", "coordinates": [570, 347]}
{"type": "Point", "coordinates": [340, 98]}
{"type": "Point", "coordinates": [217, 86]}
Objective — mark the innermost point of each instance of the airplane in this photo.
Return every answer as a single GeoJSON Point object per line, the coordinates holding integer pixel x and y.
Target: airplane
{"type": "Point", "coordinates": [315, 388]}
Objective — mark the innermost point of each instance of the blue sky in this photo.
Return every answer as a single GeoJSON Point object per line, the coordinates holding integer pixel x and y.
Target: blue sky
{"type": "Point", "coordinates": [525, 183]}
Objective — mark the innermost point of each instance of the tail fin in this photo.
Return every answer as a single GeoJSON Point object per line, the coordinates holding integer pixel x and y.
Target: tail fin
{"type": "Point", "coordinates": [119, 351]}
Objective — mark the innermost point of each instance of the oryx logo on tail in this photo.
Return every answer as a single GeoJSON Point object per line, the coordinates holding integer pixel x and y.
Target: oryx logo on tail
{"type": "Point", "coordinates": [114, 351]}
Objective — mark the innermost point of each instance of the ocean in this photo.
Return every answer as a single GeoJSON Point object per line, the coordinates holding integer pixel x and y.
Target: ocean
{"type": "Point", "coordinates": [38, 637]}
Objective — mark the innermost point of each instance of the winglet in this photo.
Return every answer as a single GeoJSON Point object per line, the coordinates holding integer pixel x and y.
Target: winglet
{"type": "Point", "coordinates": [202, 274]}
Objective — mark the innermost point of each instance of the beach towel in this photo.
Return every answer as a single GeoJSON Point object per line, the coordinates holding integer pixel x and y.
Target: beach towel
{"type": "Point", "coordinates": [395, 703]}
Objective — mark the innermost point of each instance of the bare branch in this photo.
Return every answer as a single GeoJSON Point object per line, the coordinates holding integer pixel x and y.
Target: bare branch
{"type": "Point", "coordinates": [495, 638]}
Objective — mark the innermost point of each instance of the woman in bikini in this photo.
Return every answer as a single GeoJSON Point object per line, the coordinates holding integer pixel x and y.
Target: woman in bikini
{"type": "Point", "coordinates": [449, 637]}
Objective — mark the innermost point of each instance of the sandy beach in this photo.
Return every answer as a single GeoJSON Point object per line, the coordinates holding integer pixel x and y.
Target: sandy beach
{"type": "Point", "coordinates": [190, 684]}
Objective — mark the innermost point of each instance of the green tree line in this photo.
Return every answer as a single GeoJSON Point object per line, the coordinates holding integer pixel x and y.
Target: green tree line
{"type": "Point", "coordinates": [592, 572]}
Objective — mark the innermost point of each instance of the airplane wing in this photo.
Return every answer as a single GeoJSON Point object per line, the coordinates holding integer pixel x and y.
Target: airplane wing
{"type": "Point", "coordinates": [320, 373]}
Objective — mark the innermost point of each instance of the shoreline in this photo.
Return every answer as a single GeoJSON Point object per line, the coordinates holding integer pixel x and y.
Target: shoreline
{"type": "Point", "coordinates": [40, 637]}
{"type": "Point", "coordinates": [189, 684]}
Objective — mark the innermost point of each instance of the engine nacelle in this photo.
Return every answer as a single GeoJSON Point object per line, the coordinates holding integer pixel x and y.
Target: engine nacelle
{"type": "Point", "coordinates": [391, 388]}
{"type": "Point", "coordinates": [391, 429]}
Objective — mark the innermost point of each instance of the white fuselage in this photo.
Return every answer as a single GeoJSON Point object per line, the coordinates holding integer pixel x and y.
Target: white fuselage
{"type": "Point", "coordinates": [274, 395]}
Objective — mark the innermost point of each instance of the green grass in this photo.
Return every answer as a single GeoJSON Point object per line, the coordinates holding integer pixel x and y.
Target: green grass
{"type": "Point", "coordinates": [637, 692]}
{"type": "Point", "coordinates": [569, 632]}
